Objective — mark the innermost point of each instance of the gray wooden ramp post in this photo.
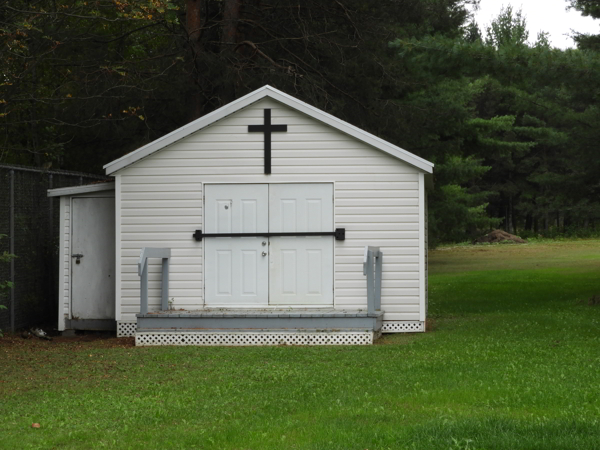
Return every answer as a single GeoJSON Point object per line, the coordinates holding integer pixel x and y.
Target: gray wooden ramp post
{"type": "Point", "coordinates": [165, 255]}
{"type": "Point", "coordinates": [372, 268]}
{"type": "Point", "coordinates": [144, 288]}
{"type": "Point", "coordinates": [368, 271]}
{"type": "Point", "coordinates": [378, 276]}
{"type": "Point", "coordinates": [165, 284]}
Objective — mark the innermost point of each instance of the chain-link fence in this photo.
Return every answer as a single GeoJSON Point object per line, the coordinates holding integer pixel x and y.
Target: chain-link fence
{"type": "Point", "coordinates": [29, 219]}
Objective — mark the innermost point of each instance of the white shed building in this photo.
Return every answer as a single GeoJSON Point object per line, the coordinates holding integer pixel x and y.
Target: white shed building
{"type": "Point", "coordinates": [286, 176]}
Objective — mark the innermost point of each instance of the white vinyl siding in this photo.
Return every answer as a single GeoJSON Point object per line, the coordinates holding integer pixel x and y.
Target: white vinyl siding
{"type": "Point", "coordinates": [376, 200]}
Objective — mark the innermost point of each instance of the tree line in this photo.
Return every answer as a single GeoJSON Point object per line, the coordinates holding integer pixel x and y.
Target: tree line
{"type": "Point", "coordinates": [511, 122]}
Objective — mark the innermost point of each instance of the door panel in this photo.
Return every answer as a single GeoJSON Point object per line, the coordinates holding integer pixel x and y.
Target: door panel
{"type": "Point", "coordinates": [236, 271]}
{"type": "Point", "coordinates": [301, 268]}
{"type": "Point", "coordinates": [300, 207]}
{"type": "Point", "coordinates": [93, 279]}
{"type": "Point", "coordinates": [301, 271]}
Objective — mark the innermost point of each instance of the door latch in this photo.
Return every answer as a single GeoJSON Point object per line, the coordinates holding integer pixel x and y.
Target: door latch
{"type": "Point", "coordinates": [78, 256]}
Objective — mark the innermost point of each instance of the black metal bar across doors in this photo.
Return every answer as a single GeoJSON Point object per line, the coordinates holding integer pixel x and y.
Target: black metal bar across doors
{"type": "Point", "coordinates": [339, 233]}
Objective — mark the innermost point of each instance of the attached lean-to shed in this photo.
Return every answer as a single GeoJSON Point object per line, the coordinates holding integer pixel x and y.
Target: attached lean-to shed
{"type": "Point", "coordinates": [266, 206]}
{"type": "Point", "coordinates": [86, 286]}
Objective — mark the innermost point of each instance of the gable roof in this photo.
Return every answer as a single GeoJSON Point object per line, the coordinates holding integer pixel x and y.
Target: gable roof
{"type": "Point", "coordinates": [288, 100]}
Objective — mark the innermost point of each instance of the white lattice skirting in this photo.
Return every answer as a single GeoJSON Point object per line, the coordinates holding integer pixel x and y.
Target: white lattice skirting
{"type": "Point", "coordinates": [402, 326]}
{"type": "Point", "coordinates": [237, 338]}
{"type": "Point", "coordinates": [126, 329]}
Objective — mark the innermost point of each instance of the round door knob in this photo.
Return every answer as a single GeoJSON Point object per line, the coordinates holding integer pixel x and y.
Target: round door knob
{"type": "Point", "coordinates": [264, 253]}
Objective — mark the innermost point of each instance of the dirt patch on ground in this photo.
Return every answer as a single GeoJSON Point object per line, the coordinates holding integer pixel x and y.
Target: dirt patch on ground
{"type": "Point", "coordinates": [499, 236]}
{"type": "Point", "coordinates": [88, 340]}
{"type": "Point", "coordinates": [430, 325]}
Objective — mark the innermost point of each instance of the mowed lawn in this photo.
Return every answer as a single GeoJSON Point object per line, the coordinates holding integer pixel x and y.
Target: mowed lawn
{"type": "Point", "coordinates": [511, 360]}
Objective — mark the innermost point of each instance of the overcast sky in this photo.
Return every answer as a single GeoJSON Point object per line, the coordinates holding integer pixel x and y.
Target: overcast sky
{"type": "Point", "coordinates": [542, 15]}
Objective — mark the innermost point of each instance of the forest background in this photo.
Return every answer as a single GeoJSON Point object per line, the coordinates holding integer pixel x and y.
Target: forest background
{"type": "Point", "coordinates": [511, 123]}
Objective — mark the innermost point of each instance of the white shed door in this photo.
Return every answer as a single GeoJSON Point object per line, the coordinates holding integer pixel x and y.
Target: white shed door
{"type": "Point", "coordinates": [301, 267]}
{"type": "Point", "coordinates": [260, 271]}
{"type": "Point", "coordinates": [237, 273]}
{"type": "Point", "coordinates": [93, 279]}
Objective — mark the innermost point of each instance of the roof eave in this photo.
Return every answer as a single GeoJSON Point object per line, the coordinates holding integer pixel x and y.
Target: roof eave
{"type": "Point", "coordinates": [85, 189]}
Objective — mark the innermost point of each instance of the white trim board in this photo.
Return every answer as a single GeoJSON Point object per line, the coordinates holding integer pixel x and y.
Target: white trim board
{"type": "Point", "coordinates": [421, 247]}
{"type": "Point", "coordinates": [268, 91]}
{"type": "Point", "coordinates": [62, 266]}
{"type": "Point", "coordinates": [85, 189]}
{"type": "Point", "coordinates": [118, 239]}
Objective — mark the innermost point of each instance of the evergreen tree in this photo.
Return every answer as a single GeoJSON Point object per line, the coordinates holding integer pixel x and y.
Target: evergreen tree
{"type": "Point", "coordinates": [589, 8]}
{"type": "Point", "coordinates": [529, 117]}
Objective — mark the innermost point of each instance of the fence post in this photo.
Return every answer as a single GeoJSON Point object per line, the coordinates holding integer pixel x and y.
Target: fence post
{"type": "Point", "coordinates": [51, 210]}
{"type": "Point", "coordinates": [52, 263]}
{"type": "Point", "coordinates": [12, 250]}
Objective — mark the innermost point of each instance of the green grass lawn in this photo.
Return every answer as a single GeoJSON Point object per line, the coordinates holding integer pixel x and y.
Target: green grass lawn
{"type": "Point", "coordinates": [511, 360]}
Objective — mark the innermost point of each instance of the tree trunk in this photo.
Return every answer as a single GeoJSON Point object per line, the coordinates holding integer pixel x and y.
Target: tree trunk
{"type": "Point", "coordinates": [231, 16]}
{"type": "Point", "coordinates": [229, 37]}
{"type": "Point", "coordinates": [515, 220]}
{"type": "Point", "coordinates": [34, 125]}
{"type": "Point", "coordinates": [561, 222]}
{"type": "Point", "coordinates": [194, 21]}
{"type": "Point", "coordinates": [509, 219]}
{"type": "Point", "coordinates": [529, 222]}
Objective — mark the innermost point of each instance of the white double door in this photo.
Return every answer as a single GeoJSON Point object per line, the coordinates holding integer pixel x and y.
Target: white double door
{"type": "Point", "coordinates": [262, 271]}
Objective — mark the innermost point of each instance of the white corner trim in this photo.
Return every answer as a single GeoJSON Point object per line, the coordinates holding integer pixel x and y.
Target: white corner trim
{"type": "Point", "coordinates": [118, 247]}
{"type": "Point", "coordinates": [74, 190]}
{"type": "Point", "coordinates": [61, 266]}
{"type": "Point", "coordinates": [288, 100]}
{"type": "Point", "coordinates": [69, 201]}
{"type": "Point", "coordinates": [422, 247]}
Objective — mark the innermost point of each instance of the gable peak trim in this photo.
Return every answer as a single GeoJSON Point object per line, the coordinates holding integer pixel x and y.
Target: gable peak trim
{"type": "Point", "coordinates": [286, 99]}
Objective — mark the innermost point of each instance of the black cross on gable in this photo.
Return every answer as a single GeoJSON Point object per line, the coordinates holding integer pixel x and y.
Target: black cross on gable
{"type": "Point", "coordinates": [267, 129]}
